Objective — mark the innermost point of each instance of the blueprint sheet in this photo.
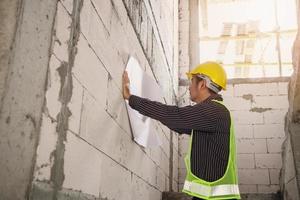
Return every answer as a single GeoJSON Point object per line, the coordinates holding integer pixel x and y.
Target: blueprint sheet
{"type": "Point", "coordinates": [142, 85]}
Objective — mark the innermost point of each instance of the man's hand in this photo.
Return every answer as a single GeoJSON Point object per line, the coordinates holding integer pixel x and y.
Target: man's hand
{"type": "Point", "coordinates": [126, 82]}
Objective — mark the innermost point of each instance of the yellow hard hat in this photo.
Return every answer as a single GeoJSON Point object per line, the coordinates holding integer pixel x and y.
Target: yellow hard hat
{"type": "Point", "coordinates": [214, 71]}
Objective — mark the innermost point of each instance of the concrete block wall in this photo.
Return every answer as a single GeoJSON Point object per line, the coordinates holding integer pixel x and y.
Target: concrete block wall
{"type": "Point", "coordinates": [85, 143]}
{"type": "Point", "coordinates": [258, 111]}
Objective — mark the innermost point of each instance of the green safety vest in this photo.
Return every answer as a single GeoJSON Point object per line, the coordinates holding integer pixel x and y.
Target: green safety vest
{"type": "Point", "coordinates": [224, 188]}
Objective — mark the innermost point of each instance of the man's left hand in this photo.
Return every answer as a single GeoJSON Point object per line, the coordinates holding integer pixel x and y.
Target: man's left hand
{"type": "Point", "coordinates": [126, 82]}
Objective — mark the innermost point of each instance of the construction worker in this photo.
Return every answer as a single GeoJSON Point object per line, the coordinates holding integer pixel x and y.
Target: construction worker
{"type": "Point", "coordinates": [211, 159]}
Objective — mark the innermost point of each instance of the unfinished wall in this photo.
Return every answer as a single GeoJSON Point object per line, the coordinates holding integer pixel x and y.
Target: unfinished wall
{"type": "Point", "coordinates": [258, 111]}
{"type": "Point", "coordinates": [25, 40]}
{"type": "Point", "coordinates": [86, 149]}
{"type": "Point", "coordinates": [290, 178]}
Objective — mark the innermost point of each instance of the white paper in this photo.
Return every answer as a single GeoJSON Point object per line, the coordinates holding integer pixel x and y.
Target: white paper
{"type": "Point", "coordinates": [142, 85]}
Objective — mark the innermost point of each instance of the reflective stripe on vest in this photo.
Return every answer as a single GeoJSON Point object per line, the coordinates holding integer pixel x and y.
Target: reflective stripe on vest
{"type": "Point", "coordinates": [207, 191]}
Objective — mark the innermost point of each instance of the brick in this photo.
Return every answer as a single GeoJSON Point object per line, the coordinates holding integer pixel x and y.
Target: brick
{"type": "Point", "coordinates": [155, 155]}
{"type": "Point", "coordinates": [274, 175]}
{"type": "Point", "coordinates": [275, 116]}
{"type": "Point", "coordinates": [93, 75]}
{"type": "Point", "coordinates": [161, 179]}
{"type": "Point", "coordinates": [184, 146]}
{"type": "Point", "coordinates": [248, 189]}
{"type": "Point", "coordinates": [182, 175]}
{"type": "Point", "coordinates": [251, 146]}
{"type": "Point", "coordinates": [269, 160]}
{"type": "Point", "coordinates": [97, 35]}
{"type": "Point", "coordinates": [141, 190]}
{"type": "Point", "coordinates": [245, 161]}
{"type": "Point", "coordinates": [243, 131]}
{"type": "Point", "coordinates": [115, 105]}
{"type": "Point", "coordinates": [269, 131]}
{"type": "Point", "coordinates": [75, 106]}
{"type": "Point", "coordinates": [94, 120]}
{"type": "Point", "coordinates": [181, 162]}
{"type": "Point", "coordinates": [175, 140]}
{"type": "Point", "coordinates": [253, 176]}
{"type": "Point", "coordinates": [274, 102]}
{"type": "Point", "coordinates": [283, 88]}
{"type": "Point", "coordinates": [237, 103]}
{"type": "Point", "coordinates": [256, 89]}
{"type": "Point", "coordinates": [119, 184]}
{"type": "Point", "coordinates": [268, 189]}
{"type": "Point", "coordinates": [165, 143]}
{"type": "Point", "coordinates": [228, 92]}
{"type": "Point", "coordinates": [68, 4]}
{"type": "Point", "coordinates": [76, 162]}
{"type": "Point", "coordinates": [246, 117]}
{"type": "Point", "coordinates": [275, 145]}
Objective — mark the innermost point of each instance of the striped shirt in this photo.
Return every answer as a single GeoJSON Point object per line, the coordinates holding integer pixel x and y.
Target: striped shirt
{"type": "Point", "coordinates": [211, 124]}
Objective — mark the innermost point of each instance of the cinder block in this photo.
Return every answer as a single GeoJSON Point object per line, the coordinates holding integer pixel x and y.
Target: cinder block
{"type": "Point", "coordinates": [161, 179]}
{"type": "Point", "coordinates": [268, 189]}
{"type": "Point", "coordinates": [251, 145]}
{"type": "Point", "coordinates": [275, 145]}
{"type": "Point", "coordinates": [274, 175]}
{"type": "Point", "coordinates": [256, 89]}
{"type": "Point", "coordinates": [68, 4]}
{"type": "Point", "coordinates": [94, 123]}
{"type": "Point", "coordinates": [269, 160]}
{"type": "Point", "coordinates": [141, 190]}
{"type": "Point", "coordinates": [81, 166]}
{"type": "Point", "coordinates": [246, 117]}
{"type": "Point", "coordinates": [155, 155]}
{"type": "Point", "coordinates": [273, 102]}
{"type": "Point", "coordinates": [175, 140]}
{"type": "Point", "coordinates": [228, 92]}
{"type": "Point", "coordinates": [248, 189]}
{"type": "Point", "coordinates": [184, 146]}
{"type": "Point", "coordinates": [253, 176]}
{"type": "Point", "coordinates": [244, 131]}
{"type": "Point", "coordinates": [283, 88]}
{"type": "Point", "coordinates": [269, 131]}
{"type": "Point", "coordinates": [91, 75]}
{"type": "Point", "coordinates": [115, 105]}
{"type": "Point", "coordinates": [164, 164]}
{"type": "Point", "coordinates": [98, 38]}
{"type": "Point", "coordinates": [115, 180]}
{"type": "Point", "coordinates": [75, 106]}
{"type": "Point", "coordinates": [245, 161]}
{"type": "Point", "coordinates": [175, 166]}
{"type": "Point", "coordinates": [182, 175]}
{"type": "Point", "coordinates": [275, 116]}
{"type": "Point", "coordinates": [237, 103]}
{"type": "Point", "coordinates": [181, 162]}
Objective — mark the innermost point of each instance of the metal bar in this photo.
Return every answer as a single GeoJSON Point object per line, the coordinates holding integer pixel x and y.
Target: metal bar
{"type": "Point", "coordinates": [249, 36]}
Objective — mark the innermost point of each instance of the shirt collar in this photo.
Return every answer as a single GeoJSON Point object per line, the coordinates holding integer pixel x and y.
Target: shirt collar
{"type": "Point", "coordinates": [217, 97]}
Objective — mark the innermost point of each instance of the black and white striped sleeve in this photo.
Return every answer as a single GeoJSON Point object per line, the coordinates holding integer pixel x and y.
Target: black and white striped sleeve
{"type": "Point", "coordinates": [202, 116]}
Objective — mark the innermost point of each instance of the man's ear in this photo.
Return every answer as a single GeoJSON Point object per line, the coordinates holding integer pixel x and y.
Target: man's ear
{"type": "Point", "coordinates": [201, 84]}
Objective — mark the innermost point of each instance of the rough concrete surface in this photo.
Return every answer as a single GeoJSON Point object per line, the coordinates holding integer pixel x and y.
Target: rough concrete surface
{"type": "Point", "coordinates": [23, 97]}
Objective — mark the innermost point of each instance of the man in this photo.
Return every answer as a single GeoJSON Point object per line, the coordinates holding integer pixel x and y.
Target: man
{"type": "Point", "coordinates": [211, 160]}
